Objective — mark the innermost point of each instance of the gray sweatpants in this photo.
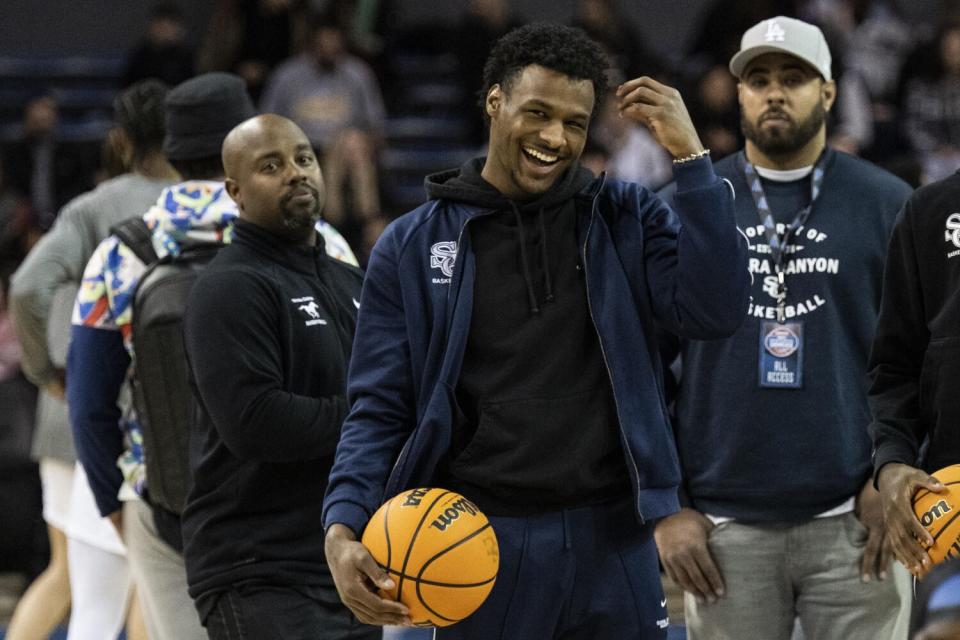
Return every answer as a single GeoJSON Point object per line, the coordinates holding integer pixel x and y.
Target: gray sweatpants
{"type": "Point", "coordinates": [776, 573]}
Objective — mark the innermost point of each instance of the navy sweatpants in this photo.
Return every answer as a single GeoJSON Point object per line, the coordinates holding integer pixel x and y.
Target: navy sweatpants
{"type": "Point", "coordinates": [578, 574]}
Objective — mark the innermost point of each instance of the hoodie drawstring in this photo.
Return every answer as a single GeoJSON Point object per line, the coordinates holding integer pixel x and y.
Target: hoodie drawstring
{"type": "Point", "coordinates": [544, 257]}
{"type": "Point", "coordinates": [531, 295]}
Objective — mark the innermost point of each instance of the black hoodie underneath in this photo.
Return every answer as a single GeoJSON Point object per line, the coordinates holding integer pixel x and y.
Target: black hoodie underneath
{"type": "Point", "coordinates": [538, 427]}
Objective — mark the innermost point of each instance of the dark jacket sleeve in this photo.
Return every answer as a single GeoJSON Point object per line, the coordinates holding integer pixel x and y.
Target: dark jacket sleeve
{"type": "Point", "coordinates": [897, 355]}
{"type": "Point", "coordinates": [380, 390]}
{"type": "Point", "coordinates": [233, 344]}
{"type": "Point", "coordinates": [697, 274]}
{"type": "Point", "coordinates": [96, 367]}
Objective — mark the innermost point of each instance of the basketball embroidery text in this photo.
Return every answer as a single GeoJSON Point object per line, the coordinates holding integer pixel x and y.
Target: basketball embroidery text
{"type": "Point", "coordinates": [453, 512]}
{"type": "Point", "coordinates": [935, 512]}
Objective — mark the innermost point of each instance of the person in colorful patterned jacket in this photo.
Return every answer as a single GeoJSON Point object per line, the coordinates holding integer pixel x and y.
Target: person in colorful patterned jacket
{"type": "Point", "coordinates": [200, 113]}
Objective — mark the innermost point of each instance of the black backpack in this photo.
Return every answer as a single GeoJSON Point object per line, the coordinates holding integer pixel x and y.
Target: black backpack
{"type": "Point", "coordinates": [165, 406]}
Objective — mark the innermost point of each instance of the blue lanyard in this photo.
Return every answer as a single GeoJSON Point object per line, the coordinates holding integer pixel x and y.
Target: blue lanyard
{"type": "Point", "coordinates": [778, 243]}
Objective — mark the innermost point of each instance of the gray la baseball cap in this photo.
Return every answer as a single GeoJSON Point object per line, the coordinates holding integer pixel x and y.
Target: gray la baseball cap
{"type": "Point", "coordinates": [784, 35]}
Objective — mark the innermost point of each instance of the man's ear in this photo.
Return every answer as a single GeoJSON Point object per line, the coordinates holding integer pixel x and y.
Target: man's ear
{"type": "Point", "coordinates": [829, 93]}
{"type": "Point", "coordinates": [233, 190]}
{"type": "Point", "coordinates": [494, 100]}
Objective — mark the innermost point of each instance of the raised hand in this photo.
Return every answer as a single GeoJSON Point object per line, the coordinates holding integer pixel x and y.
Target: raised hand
{"type": "Point", "coordinates": [661, 109]}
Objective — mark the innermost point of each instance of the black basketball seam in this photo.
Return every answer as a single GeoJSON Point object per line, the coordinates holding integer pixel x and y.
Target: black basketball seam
{"type": "Point", "coordinates": [437, 555]}
{"type": "Point", "coordinates": [434, 583]}
{"type": "Point", "coordinates": [386, 529]}
{"type": "Point", "coordinates": [925, 492]}
{"type": "Point", "coordinates": [413, 539]}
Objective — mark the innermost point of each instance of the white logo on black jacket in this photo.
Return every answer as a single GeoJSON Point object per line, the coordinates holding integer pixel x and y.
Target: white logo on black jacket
{"type": "Point", "coordinates": [308, 306]}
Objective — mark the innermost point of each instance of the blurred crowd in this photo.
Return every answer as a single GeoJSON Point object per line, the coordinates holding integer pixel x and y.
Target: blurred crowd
{"type": "Point", "coordinates": [327, 64]}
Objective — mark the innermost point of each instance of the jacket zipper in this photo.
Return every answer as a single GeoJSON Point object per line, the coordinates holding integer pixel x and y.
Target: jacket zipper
{"type": "Point", "coordinates": [606, 363]}
{"type": "Point", "coordinates": [457, 265]}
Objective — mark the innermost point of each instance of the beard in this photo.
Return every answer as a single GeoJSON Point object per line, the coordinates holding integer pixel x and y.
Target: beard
{"type": "Point", "coordinates": [781, 141]}
{"type": "Point", "coordinates": [297, 217]}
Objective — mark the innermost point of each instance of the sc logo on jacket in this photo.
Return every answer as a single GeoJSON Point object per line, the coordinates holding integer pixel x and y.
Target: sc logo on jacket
{"type": "Point", "coordinates": [443, 255]}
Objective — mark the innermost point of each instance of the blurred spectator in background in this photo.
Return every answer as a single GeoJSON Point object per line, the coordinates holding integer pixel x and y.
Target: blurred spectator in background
{"type": "Point", "coordinates": [851, 121]}
{"type": "Point", "coordinates": [721, 28]}
{"type": "Point", "coordinates": [18, 231]}
{"type": "Point", "coordinates": [22, 540]}
{"type": "Point", "coordinates": [483, 23]}
{"type": "Point", "coordinates": [46, 169]}
{"type": "Point", "coordinates": [630, 152]}
{"type": "Point", "coordinates": [872, 40]}
{"type": "Point", "coordinates": [335, 98]}
{"type": "Point", "coordinates": [931, 104]}
{"type": "Point", "coordinates": [250, 37]}
{"type": "Point", "coordinates": [716, 111]}
{"type": "Point", "coordinates": [164, 52]}
{"type": "Point", "coordinates": [602, 22]}
{"type": "Point", "coordinates": [363, 22]}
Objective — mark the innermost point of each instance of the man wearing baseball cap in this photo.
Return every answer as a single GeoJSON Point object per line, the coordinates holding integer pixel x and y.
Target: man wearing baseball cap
{"type": "Point", "coordinates": [781, 521]}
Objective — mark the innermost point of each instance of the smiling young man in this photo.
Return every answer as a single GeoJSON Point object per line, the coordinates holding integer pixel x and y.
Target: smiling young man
{"type": "Point", "coordinates": [268, 332]}
{"type": "Point", "coordinates": [505, 349]}
{"type": "Point", "coordinates": [772, 422]}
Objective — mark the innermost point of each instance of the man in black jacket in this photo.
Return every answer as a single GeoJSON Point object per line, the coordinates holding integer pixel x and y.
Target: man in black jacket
{"type": "Point", "coordinates": [268, 332]}
{"type": "Point", "coordinates": [915, 363]}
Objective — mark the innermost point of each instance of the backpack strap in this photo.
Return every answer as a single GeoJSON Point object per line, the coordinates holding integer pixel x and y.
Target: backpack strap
{"type": "Point", "coordinates": [135, 233]}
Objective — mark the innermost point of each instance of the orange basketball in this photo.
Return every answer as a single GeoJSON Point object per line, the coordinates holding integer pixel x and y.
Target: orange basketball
{"type": "Point", "coordinates": [440, 551]}
{"type": "Point", "coordinates": [938, 513]}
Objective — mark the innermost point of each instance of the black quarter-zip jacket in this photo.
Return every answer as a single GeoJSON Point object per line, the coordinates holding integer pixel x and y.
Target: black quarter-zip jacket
{"type": "Point", "coordinates": [915, 361]}
{"type": "Point", "coordinates": [268, 332]}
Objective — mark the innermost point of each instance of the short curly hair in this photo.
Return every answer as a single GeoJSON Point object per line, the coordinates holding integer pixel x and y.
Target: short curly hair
{"type": "Point", "coordinates": [567, 50]}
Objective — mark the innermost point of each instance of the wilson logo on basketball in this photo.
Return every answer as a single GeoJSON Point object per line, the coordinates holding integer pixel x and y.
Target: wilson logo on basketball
{"type": "Point", "coordinates": [935, 512]}
{"type": "Point", "coordinates": [453, 512]}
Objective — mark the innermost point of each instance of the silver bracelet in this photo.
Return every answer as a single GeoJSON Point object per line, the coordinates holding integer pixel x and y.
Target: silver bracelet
{"type": "Point", "coordinates": [692, 156]}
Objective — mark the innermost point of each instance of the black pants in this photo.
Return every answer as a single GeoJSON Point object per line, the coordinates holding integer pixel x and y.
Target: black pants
{"type": "Point", "coordinates": [283, 613]}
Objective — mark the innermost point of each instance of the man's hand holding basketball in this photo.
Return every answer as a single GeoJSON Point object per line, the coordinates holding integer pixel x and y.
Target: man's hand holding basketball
{"type": "Point", "coordinates": [877, 553]}
{"type": "Point", "coordinates": [908, 538]}
{"type": "Point", "coordinates": [358, 577]}
{"type": "Point", "coordinates": [682, 542]}
{"type": "Point", "coordinates": [661, 110]}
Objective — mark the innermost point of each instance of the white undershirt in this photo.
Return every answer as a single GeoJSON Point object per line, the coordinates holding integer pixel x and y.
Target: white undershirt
{"type": "Point", "coordinates": [844, 507]}
{"type": "Point", "coordinates": [789, 175]}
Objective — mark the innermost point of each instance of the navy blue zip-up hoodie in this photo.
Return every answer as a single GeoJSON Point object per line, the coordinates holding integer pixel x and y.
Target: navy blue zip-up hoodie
{"type": "Point", "coordinates": [644, 265]}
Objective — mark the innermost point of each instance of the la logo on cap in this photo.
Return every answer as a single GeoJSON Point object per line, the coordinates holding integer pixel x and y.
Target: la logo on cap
{"type": "Point", "coordinates": [775, 32]}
